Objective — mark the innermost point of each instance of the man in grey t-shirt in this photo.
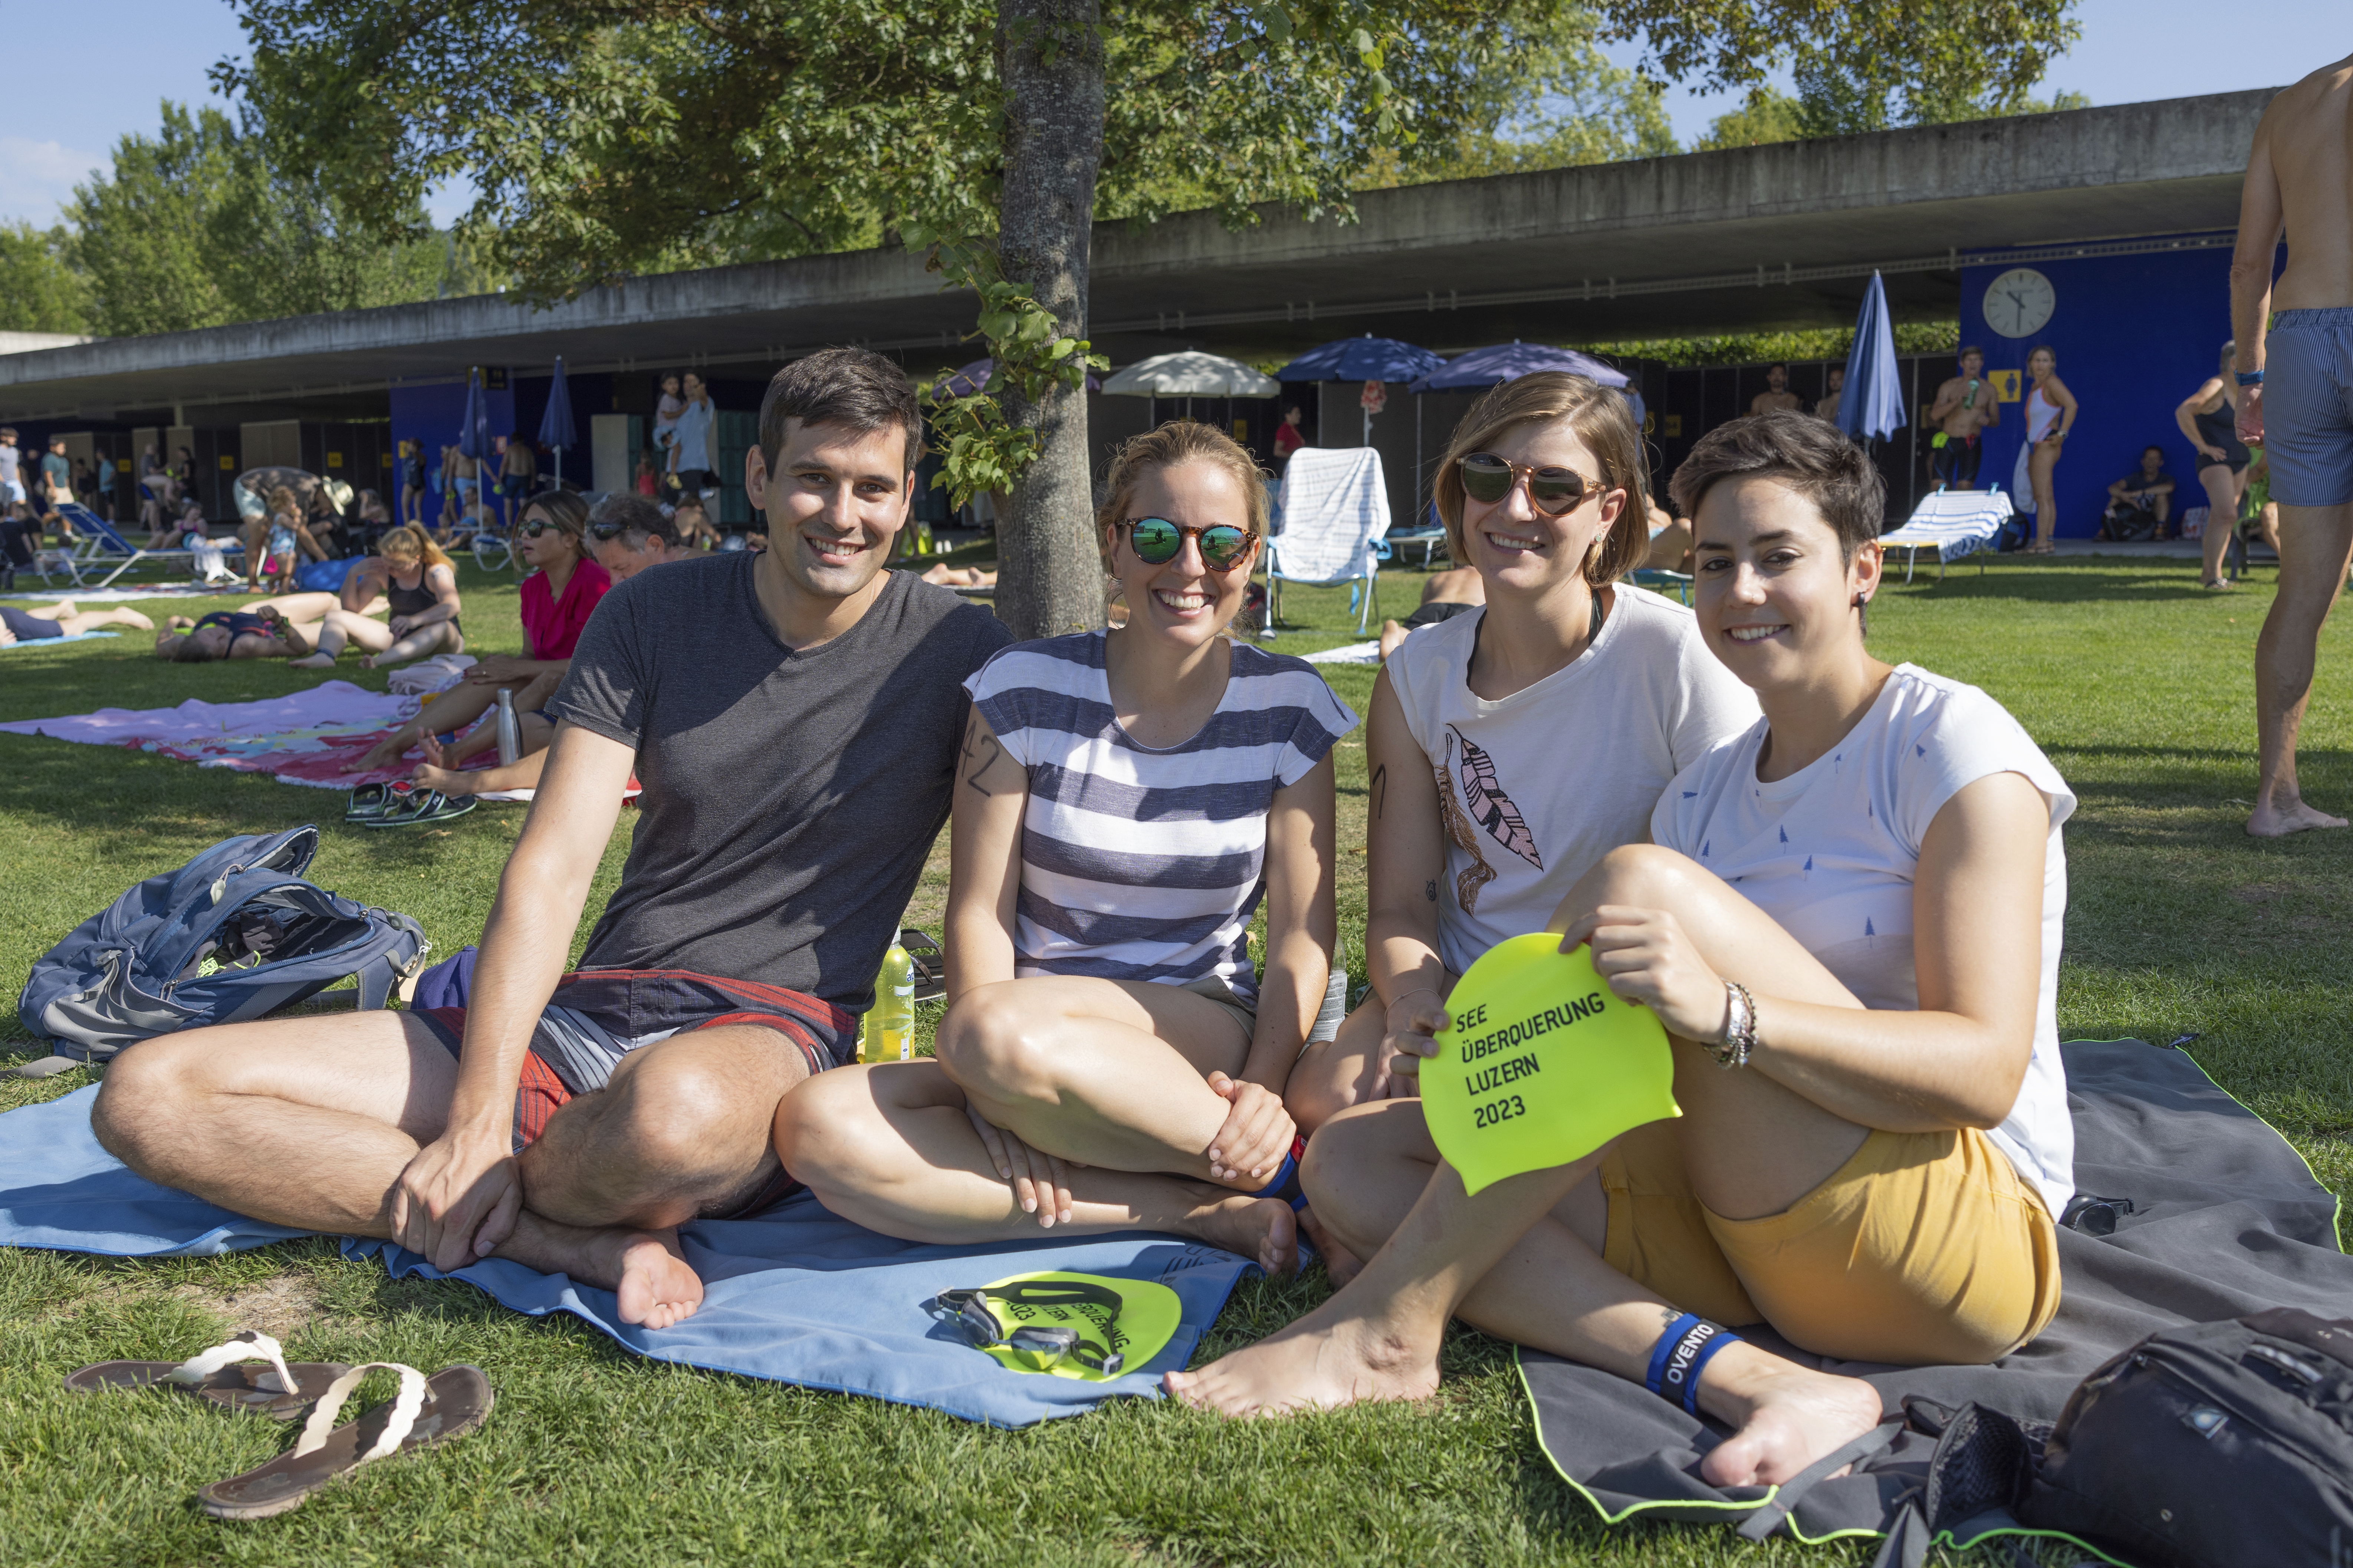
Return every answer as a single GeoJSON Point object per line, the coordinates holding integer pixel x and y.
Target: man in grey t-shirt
{"type": "Point", "coordinates": [794, 718]}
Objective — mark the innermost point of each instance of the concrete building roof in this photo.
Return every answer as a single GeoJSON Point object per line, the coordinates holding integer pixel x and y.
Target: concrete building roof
{"type": "Point", "coordinates": [1744, 239]}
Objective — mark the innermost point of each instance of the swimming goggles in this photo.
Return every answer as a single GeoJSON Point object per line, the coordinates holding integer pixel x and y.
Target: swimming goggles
{"type": "Point", "coordinates": [969, 1312]}
{"type": "Point", "coordinates": [1157, 540]}
{"type": "Point", "coordinates": [1555, 492]}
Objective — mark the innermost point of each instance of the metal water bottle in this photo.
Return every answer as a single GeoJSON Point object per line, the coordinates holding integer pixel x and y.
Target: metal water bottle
{"type": "Point", "coordinates": [889, 1032]}
{"type": "Point", "coordinates": [510, 733]}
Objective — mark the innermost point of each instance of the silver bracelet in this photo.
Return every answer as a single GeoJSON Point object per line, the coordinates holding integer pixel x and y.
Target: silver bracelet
{"type": "Point", "coordinates": [1739, 1027]}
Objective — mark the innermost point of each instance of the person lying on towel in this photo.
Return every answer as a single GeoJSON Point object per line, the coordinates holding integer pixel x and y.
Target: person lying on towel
{"type": "Point", "coordinates": [1849, 924]}
{"type": "Point", "coordinates": [1514, 745]}
{"type": "Point", "coordinates": [1111, 1059]}
{"type": "Point", "coordinates": [793, 717]}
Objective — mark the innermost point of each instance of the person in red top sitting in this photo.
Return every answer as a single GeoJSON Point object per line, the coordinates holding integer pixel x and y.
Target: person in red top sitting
{"type": "Point", "coordinates": [556, 599]}
{"type": "Point", "coordinates": [1287, 438]}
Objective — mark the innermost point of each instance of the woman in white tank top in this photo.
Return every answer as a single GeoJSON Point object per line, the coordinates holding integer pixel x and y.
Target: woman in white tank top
{"type": "Point", "coordinates": [2050, 413]}
{"type": "Point", "coordinates": [1513, 746]}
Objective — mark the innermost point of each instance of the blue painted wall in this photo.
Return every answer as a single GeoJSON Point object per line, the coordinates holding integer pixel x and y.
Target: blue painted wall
{"type": "Point", "coordinates": [432, 415]}
{"type": "Point", "coordinates": [2135, 335]}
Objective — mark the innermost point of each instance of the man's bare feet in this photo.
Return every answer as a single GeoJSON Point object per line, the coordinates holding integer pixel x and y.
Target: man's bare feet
{"type": "Point", "coordinates": [2275, 821]}
{"type": "Point", "coordinates": [656, 1287]}
{"type": "Point", "coordinates": [1263, 1229]}
{"type": "Point", "coordinates": [1329, 1358]}
{"type": "Point", "coordinates": [442, 779]}
{"type": "Point", "coordinates": [1788, 1417]}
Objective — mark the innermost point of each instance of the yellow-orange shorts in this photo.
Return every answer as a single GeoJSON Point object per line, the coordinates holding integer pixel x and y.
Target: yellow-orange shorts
{"type": "Point", "coordinates": [1925, 1248]}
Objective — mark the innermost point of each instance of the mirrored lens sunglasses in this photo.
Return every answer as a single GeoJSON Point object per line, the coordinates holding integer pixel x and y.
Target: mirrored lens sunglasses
{"type": "Point", "coordinates": [1157, 540]}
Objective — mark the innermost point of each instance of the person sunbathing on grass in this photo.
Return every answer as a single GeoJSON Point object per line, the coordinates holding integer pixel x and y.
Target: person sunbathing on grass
{"type": "Point", "coordinates": [419, 584]}
{"type": "Point", "coordinates": [1110, 1060]}
{"type": "Point", "coordinates": [1849, 926]}
{"type": "Point", "coordinates": [793, 716]}
{"type": "Point", "coordinates": [555, 602]}
{"type": "Point", "coordinates": [63, 620]}
{"type": "Point", "coordinates": [263, 633]}
{"type": "Point", "coordinates": [1511, 747]}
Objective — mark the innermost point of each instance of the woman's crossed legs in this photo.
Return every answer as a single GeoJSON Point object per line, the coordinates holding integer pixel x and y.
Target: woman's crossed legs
{"type": "Point", "coordinates": [1524, 1258]}
{"type": "Point", "coordinates": [1102, 1087]}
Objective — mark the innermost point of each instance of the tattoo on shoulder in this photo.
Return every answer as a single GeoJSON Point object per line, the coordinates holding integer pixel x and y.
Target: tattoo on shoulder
{"type": "Point", "coordinates": [1380, 787]}
{"type": "Point", "coordinates": [1430, 889]}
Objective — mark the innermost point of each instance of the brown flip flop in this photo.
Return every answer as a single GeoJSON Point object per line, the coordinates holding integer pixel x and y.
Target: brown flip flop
{"type": "Point", "coordinates": [450, 1403]}
{"type": "Point", "coordinates": [282, 1389]}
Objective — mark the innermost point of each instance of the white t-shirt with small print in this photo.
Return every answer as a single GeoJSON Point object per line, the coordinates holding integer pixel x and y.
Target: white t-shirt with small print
{"type": "Point", "coordinates": [1536, 787]}
{"type": "Point", "coordinates": [1831, 852]}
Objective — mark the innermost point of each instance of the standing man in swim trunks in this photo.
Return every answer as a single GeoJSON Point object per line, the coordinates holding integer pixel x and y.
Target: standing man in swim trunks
{"type": "Point", "coordinates": [2297, 400]}
{"type": "Point", "coordinates": [793, 716]}
{"type": "Point", "coordinates": [1965, 407]}
{"type": "Point", "coordinates": [1777, 398]}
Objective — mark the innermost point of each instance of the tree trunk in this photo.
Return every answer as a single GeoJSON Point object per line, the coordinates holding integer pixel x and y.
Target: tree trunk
{"type": "Point", "coordinates": [1049, 53]}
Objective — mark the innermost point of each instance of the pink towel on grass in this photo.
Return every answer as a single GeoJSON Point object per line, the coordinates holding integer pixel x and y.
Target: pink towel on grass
{"type": "Point", "coordinates": [305, 739]}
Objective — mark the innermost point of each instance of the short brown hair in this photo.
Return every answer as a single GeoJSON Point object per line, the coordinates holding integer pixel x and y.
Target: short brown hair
{"type": "Point", "coordinates": [1806, 454]}
{"type": "Point", "coordinates": [1602, 419]}
{"type": "Point", "coordinates": [855, 388]}
{"type": "Point", "coordinates": [637, 515]}
{"type": "Point", "coordinates": [1178, 441]}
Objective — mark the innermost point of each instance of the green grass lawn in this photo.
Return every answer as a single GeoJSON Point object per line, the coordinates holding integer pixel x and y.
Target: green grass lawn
{"type": "Point", "coordinates": [2138, 686]}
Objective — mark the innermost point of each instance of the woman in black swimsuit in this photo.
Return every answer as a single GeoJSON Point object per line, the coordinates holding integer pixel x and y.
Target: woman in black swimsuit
{"type": "Point", "coordinates": [232, 634]}
{"type": "Point", "coordinates": [419, 585]}
{"type": "Point", "coordinates": [2209, 417]}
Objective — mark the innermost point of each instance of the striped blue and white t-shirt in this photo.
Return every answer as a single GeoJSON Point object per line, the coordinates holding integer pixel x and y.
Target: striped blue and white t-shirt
{"type": "Point", "coordinates": [1139, 863]}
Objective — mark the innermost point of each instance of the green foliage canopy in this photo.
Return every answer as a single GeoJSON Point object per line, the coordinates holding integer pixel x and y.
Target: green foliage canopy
{"type": "Point", "coordinates": [198, 225]}
{"type": "Point", "coordinates": [40, 288]}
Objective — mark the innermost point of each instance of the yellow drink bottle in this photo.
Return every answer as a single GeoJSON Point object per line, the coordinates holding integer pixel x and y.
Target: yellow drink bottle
{"type": "Point", "coordinates": [889, 1032]}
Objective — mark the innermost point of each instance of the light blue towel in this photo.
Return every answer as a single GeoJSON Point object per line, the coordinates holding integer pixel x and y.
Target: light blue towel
{"type": "Point", "coordinates": [797, 1295]}
{"type": "Point", "coordinates": [50, 642]}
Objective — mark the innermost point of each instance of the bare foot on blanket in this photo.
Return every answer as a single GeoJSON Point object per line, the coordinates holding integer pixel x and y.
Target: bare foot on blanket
{"type": "Point", "coordinates": [1786, 1417]}
{"type": "Point", "coordinates": [1263, 1229]}
{"type": "Point", "coordinates": [2296, 817]}
{"type": "Point", "coordinates": [382, 754]}
{"type": "Point", "coordinates": [1329, 1358]}
{"type": "Point", "coordinates": [656, 1287]}
{"type": "Point", "coordinates": [1340, 1263]}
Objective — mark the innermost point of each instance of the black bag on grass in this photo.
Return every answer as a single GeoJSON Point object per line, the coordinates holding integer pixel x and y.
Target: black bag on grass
{"type": "Point", "coordinates": [230, 936]}
{"type": "Point", "coordinates": [2225, 1444]}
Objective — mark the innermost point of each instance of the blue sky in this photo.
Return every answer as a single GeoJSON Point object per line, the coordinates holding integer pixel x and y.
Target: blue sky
{"type": "Point", "coordinates": [58, 126]}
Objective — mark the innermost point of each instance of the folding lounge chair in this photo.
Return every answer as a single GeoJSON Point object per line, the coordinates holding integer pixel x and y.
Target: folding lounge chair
{"type": "Point", "coordinates": [1953, 523]}
{"type": "Point", "coordinates": [1430, 538]}
{"type": "Point", "coordinates": [1335, 507]}
{"type": "Point", "coordinates": [98, 544]}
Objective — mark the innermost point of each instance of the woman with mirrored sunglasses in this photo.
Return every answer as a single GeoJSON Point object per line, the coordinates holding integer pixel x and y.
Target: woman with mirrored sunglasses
{"type": "Point", "coordinates": [556, 600]}
{"type": "Point", "coordinates": [1112, 1058]}
{"type": "Point", "coordinates": [1512, 747]}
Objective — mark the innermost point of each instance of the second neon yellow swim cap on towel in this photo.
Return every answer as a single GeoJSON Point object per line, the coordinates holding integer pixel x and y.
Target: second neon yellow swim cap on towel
{"type": "Point", "coordinates": [1147, 1319]}
{"type": "Point", "coordinates": [1542, 1065]}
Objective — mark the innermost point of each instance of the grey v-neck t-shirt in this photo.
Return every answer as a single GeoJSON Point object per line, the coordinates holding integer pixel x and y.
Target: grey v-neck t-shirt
{"type": "Point", "coordinates": [790, 798]}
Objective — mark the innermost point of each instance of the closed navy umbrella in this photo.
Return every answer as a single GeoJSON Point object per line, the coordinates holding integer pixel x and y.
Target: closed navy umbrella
{"type": "Point", "coordinates": [556, 430]}
{"type": "Point", "coordinates": [1871, 402]}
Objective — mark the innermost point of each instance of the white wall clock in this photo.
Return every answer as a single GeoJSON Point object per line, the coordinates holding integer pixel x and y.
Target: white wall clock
{"type": "Point", "coordinates": [2018, 303]}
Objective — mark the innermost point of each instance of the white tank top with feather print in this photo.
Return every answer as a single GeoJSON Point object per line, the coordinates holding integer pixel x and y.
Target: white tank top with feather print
{"type": "Point", "coordinates": [1536, 787]}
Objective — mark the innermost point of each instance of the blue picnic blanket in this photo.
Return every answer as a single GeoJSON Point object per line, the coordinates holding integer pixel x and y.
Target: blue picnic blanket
{"type": "Point", "coordinates": [795, 1295]}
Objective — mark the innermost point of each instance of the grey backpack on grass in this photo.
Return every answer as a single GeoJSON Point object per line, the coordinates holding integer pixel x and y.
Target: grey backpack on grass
{"type": "Point", "coordinates": [232, 935]}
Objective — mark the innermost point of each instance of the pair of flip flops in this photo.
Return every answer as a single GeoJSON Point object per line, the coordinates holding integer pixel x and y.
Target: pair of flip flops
{"type": "Point", "coordinates": [450, 1403]}
{"type": "Point", "coordinates": [402, 803]}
